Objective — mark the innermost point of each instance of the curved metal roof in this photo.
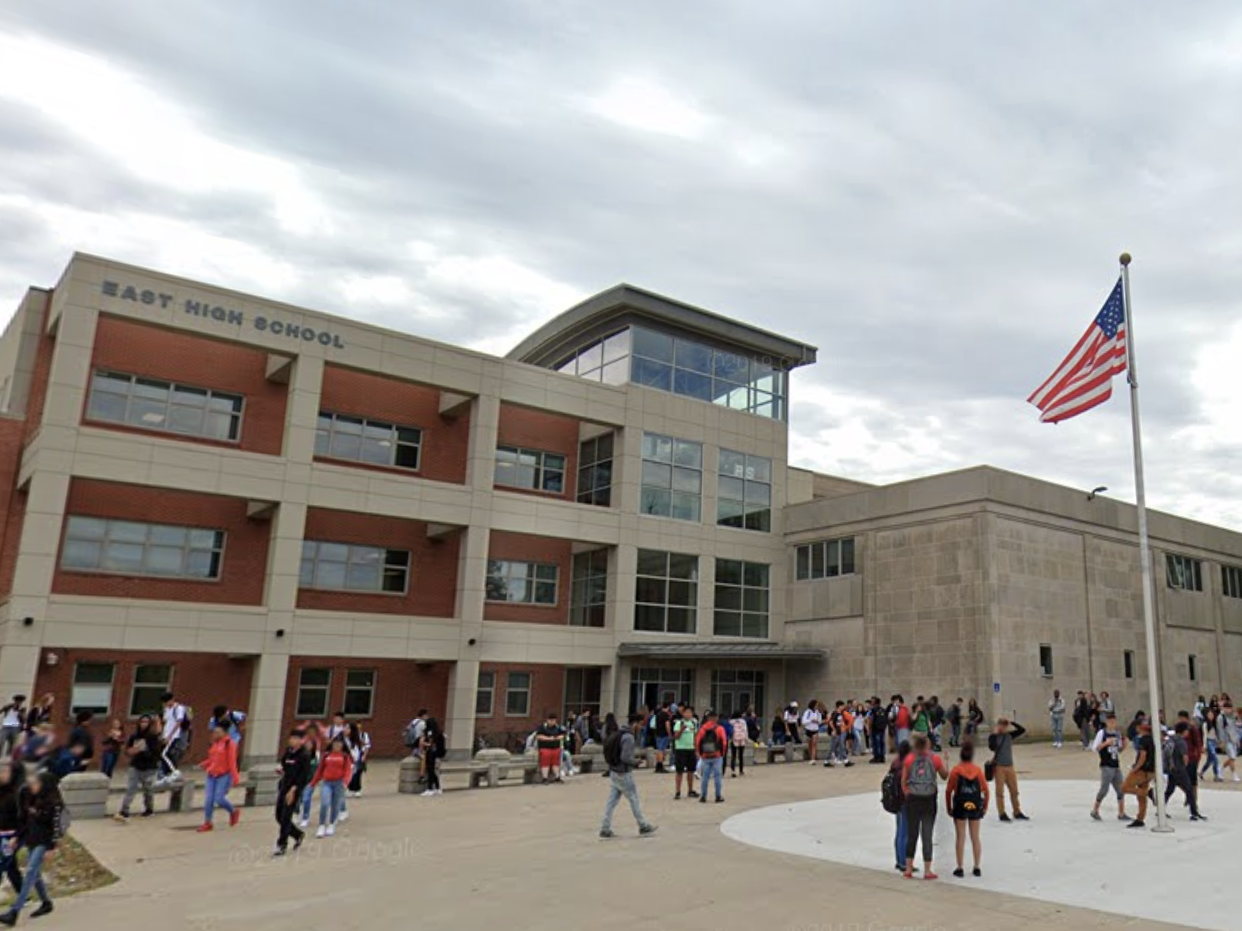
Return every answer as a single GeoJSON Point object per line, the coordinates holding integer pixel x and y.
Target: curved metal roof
{"type": "Point", "coordinates": [626, 303]}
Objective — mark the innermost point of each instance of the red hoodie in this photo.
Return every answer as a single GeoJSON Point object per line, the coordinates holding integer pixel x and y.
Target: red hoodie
{"type": "Point", "coordinates": [222, 759]}
{"type": "Point", "coordinates": [333, 767]}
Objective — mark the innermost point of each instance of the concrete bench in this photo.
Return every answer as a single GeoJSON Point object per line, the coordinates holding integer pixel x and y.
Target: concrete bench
{"type": "Point", "coordinates": [180, 793]}
{"type": "Point", "coordinates": [262, 785]}
{"type": "Point", "coordinates": [489, 773]}
{"type": "Point", "coordinates": [86, 795]}
{"type": "Point", "coordinates": [788, 753]}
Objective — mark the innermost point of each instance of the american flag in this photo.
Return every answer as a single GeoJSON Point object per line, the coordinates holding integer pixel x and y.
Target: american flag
{"type": "Point", "coordinates": [1085, 378]}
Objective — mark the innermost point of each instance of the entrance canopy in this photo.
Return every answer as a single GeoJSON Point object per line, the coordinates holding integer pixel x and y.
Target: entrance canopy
{"type": "Point", "coordinates": [709, 651]}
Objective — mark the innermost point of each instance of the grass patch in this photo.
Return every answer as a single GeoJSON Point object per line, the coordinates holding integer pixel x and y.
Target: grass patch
{"type": "Point", "coordinates": [73, 869]}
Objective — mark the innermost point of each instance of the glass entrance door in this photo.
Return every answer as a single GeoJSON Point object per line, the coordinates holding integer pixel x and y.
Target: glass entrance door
{"type": "Point", "coordinates": [738, 689]}
{"type": "Point", "coordinates": [650, 687]}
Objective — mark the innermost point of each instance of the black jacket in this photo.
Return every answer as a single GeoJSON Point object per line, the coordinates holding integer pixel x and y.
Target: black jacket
{"type": "Point", "coordinates": [12, 798]}
{"type": "Point", "coordinates": [295, 769]}
{"type": "Point", "coordinates": [41, 819]}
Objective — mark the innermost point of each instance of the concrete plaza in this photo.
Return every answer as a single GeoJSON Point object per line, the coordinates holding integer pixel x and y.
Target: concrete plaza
{"type": "Point", "coordinates": [526, 857]}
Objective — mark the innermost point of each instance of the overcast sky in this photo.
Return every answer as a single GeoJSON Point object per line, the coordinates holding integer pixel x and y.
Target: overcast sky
{"type": "Point", "coordinates": [934, 194]}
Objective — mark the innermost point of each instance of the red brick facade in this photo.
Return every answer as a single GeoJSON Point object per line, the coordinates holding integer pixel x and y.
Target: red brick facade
{"type": "Point", "coordinates": [132, 348]}
{"type": "Point", "coordinates": [432, 586]}
{"type": "Point", "coordinates": [547, 693]}
{"type": "Point", "coordinates": [402, 687]}
{"type": "Point", "coordinates": [199, 680]}
{"type": "Point", "coordinates": [523, 547]}
{"type": "Point", "coordinates": [245, 546]}
{"type": "Point", "coordinates": [445, 440]}
{"type": "Point", "coordinates": [551, 433]}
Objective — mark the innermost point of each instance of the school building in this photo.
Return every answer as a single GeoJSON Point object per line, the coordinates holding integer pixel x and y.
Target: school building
{"type": "Point", "coordinates": [291, 513]}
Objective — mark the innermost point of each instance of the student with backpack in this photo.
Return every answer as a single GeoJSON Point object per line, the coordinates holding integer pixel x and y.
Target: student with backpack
{"type": "Point", "coordinates": [919, 773]}
{"type": "Point", "coordinates": [44, 821]}
{"type": "Point", "coordinates": [737, 745]}
{"type": "Point", "coordinates": [619, 757]}
{"type": "Point", "coordinates": [966, 798]}
{"type": "Point", "coordinates": [894, 802]}
{"type": "Point", "coordinates": [710, 744]}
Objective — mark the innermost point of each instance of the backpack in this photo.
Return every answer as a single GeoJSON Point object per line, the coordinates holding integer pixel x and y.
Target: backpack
{"type": "Point", "coordinates": [413, 733]}
{"type": "Point", "coordinates": [187, 726]}
{"type": "Point", "coordinates": [922, 779]}
{"type": "Point", "coordinates": [890, 791]}
{"type": "Point", "coordinates": [612, 749]}
{"type": "Point", "coordinates": [709, 742]}
{"type": "Point", "coordinates": [968, 796]}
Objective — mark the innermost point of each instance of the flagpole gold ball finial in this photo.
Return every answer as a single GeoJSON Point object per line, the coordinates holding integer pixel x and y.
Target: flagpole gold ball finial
{"type": "Point", "coordinates": [1125, 258]}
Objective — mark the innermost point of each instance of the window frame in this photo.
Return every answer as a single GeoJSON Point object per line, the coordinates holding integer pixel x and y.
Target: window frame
{"type": "Point", "coordinates": [829, 553]}
{"type": "Point", "coordinates": [741, 612]}
{"type": "Point", "coordinates": [301, 687]}
{"type": "Point", "coordinates": [1179, 568]}
{"type": "Point", "coordinates": [541, 469]}
{"type": "Point", "coordinates": [1192, 667]}
{"type": "Point", "coordinates": [236, 415]}
{"type": "Point", "coordinates": [532, 579]}
{"type": "Point", "coordinates": [217, 549]}
{"type": "Point", "coordinates": [1046, 669]}
{"type": "Point", "coordinates": [666, 580]}
{"type": "Point", "coordinates": [370, 691]}
{"type": "Point", "coordinates": [1127, 664]}
{"type": "Point", "coordinates": [586, 607]}
{"type": "Point", "coordinates": [765, 513]}
{"type": "Point", "coordinates": [510, 690]}
{"type": "Point", "coordinates": [588, 490]}
{"type": "Point", "coordinates": [385, 567]}
{"type": "Point", "coordinates": [652, 462]}
{"type": "Point", "coordinates": [489, 690]}
{"type": "Point", "coordinates": [74, 707]}
{"type": "Point", "coordinates": [395, 440]}
{"type": "Point", "coordinates": [134, 686]}
{"type": "Point", "coordinates": [1231, 581]}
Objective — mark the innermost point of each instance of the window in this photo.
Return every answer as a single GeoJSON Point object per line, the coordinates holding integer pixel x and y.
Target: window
{"type": "Point", "coordinates": [741, 598]}
{"type": "Point", "coordinates": [517, 694]}
{"type": "Point", "coordinates": [1045, 660]}
{"type": "Point", "coordinates": [97, 544]}
{"type": "Point", "coordinates": [1192, 667]}
{"type": "Point", "coordinates": [595, 471]}
{"type": "Point", "coordinates": [521, 582]}
{"type": "Point", "coordinates": [738, 689]}
{"type": "Point", "coordinates": [485, 695]}
{"type": "Point", "coordinates": [530, 468]}
{"type": "Point", "coordinates": [92, 688]}
{"type": "Point", "coordinates": [359, 693]}
{"type": "Point", "coordinates": [358, 439]}
{"type": "Point", "coordinates": [1184, 573]}
{"type": "Point", "coordinates": [672, 483]}
{"type": "Point", "coordinates": [582, 691]}
{"type": "Point", "coordinates": [346, 567]}
{"type": "Point", "coordinates": [826, 559]}
{"type": "Point", "coordinates": [590, 589]}
{"type": "Point", "coordinates": [150, 684]}
{"type": "Point", "coordinates": [1128, 663]}
{"type": "Point", "coordinates": [161, 405]}
{"type": "Point", "coordinates": [1231, 581]}
{"type": "Point", "coordinates": [605, 360]}
{"type": "Point", "coordinates": [313, 688]}
{"type": "Point", "coordinates": [744, 498]}
{"type": "Point", "coordinates": [666, 592]}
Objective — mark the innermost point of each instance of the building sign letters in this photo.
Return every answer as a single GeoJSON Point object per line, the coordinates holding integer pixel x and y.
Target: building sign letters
{"type": "Point", "coordinates": [209, 311]}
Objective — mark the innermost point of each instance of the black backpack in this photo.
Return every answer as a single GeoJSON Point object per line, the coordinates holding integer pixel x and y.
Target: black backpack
{"type": "Point", "coordinates": [709, 743]}
{"type": "Point", "coordinates": [891, 797]}
{"type": "Point", "coordinates": [612, 749]}
{"type": "Point", "coordinates": [968, 796]}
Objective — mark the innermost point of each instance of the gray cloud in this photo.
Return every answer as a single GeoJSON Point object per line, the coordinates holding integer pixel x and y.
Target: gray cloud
{"type": "Point", "coordinates": [934, 196]}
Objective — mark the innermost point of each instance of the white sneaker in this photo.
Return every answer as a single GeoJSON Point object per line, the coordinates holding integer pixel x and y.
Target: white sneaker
{"type": "Point", "coordinates": [343, 816]}
{"type": "Point", "coordinates": [321, 831]}
{"type": "Point", "coordinates": [331, 829]}
{"type": "Point", "coordinates": [441, 791]}
{"type": "Point", "coordinates": [304, 823]}
{"type": "Point", "coordinates": [429, 793]}
{"type": "Point", "coordinates": [1237, 778]}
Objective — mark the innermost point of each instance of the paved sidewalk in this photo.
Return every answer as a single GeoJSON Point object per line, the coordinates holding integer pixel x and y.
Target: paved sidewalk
{"type": "Point", "coordinates": [522, 857]}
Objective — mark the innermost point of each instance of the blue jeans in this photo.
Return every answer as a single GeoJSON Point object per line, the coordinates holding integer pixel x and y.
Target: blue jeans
{"type": "Point", "coordinates": [217, 791]}
{"type": "Point", "coordinates": [877, 745]}
{"type": "Point", "coordinates": [33, 881]}
{"type": "Point", "coordinates": [331, 797]}
{"type": "Point", "coordinates": [899, 842]}
{"type": "Point", "coordinates": [713, 768]}
{"type": "Point", "coordinates": [622, 784]}
{"type": "Point", "coordinates": [1213, 760]}
{"type": "Point", "coordinates": [308, 795]}
{"type": "Point", "coordinates": [839, 753]}
{"type": "Point", "coordinates": [1058, 728]}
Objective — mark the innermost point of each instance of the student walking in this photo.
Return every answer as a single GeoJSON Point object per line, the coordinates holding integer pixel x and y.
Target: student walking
{"type": "Point", "coordinates": [314, 745]}
{"type": "Point", "coordinates": [1233, 737]}
{"type": "Point", "coordinates": [839, 723]}
{"type": "Point", "coordinates": [1142, 774]}
{"type": "Point", "coordinates": [433, 753]}
{"type": "Point", "coordinates": [359, 749]}
{"type": "Point", "coordinates": [900, 720]}
{"type": "Point", "coordinates": [176, 736]}
{"type": "Point", "coordinates": [331, 776]}
{"type": "Point", "coordinates": [143, 750]}
{"type": "Point", "coordinates": [42, 827]}
{"type": "Point", "coordinates": [111, 746]}
{"type": "Point", "coordinates": [685, 729]}
{"type": "Point", "coordinates": [710, 745]}
{"type": "Point", "coordinates": [1109, 743]}
{"type": "Point", "coordinates": [954, 716]}
{"type": "Point", "coordinates": [966, 799]}
{"type": "Point", "coordinates": [737, 745]}
{"type": "Point", "coordinates": [12, 792]}
{"type": "Point", "coordinates": [1213, 734]}
{"type": "Point", "coordinates": [812, 721]}
{"type": "Point", "coordinates": [619, 755]}
{"type": "Point", "coordinates": [921, 792]}
{"type": "Point", "coordinates": [295, 775]}
{"type": "Point", "coordinates": [877, 727]}
{"type": "Point", "coordinates": [12, 723]}
{"type": "Point", "coordinates": [1056, 712]}
{"type": "Point", "coordinates": [222, 775]}
{"type": "Point", "coordinates": [1180, 765]}
{"type": "Point", "coordinates": [1000, 742]}
{"type": "Point", "coordinates": [895, 803]}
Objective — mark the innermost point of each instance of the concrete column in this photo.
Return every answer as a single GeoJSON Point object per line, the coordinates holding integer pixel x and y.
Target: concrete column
{"type": "Point", "coordinates": [464, 678]}
{"type": "Point", "coordinates": [267, 704]}
{"type": "Point", "coordinates": [484, 428]}
{"type": "Point", "coordinates": [459, 721]}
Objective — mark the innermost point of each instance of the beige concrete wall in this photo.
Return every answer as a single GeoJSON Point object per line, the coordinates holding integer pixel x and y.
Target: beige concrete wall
{"type": "Point", "coordinates": [18, 349]}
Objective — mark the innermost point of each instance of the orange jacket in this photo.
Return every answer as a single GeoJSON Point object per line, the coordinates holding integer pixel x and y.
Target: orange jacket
{"type": "Point", "coordinates": [222, 759]}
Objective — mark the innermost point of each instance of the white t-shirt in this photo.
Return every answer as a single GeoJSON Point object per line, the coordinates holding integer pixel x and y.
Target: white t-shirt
{"type": "Point", "coordinates": [811, 720]}
{"type": "Point", "coordinates": [174, 718]}
{"type": "Point", "coordinates": [13, 717]}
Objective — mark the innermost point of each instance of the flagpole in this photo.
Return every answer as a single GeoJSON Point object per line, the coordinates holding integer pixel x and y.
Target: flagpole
{"type": "Point", "coordinates": [1140, 495]}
